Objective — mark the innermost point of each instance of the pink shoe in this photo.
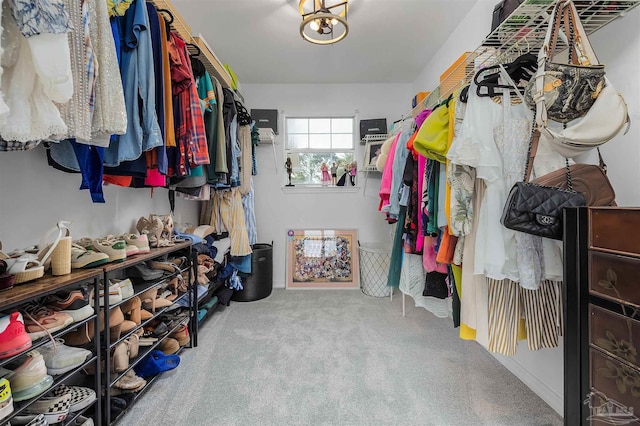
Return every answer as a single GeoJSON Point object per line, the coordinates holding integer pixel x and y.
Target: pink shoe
{"type": "Point", "coordinates": [13, 337]}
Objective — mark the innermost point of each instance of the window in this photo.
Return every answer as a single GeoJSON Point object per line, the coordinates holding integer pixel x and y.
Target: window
{"type": "Point", "coordinates": [309, 142]}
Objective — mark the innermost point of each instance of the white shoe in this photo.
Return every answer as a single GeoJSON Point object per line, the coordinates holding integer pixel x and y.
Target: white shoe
{"type": "Point", "coordinates": [140, 241]}
{"type": "Point", "coordinates": [54, 408]}
{"type": "Point", "coordinates": [81, 397]}
{"type": "Point", "coordinates": [60, 358]}
{"type": "Point", "coordinates": [6, 401]}
{"type": "Point", "coordinates": [115, 295]}
{"type": "Point", "coordinates": [126, 287]}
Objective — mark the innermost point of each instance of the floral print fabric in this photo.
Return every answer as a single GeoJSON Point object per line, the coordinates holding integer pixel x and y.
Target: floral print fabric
{"type": "Point", "coordinates": [35, 17]}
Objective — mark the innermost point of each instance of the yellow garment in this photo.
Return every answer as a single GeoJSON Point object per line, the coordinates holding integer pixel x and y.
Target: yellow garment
{"type": "Point", "coordinates": [433, 137]}
{"type": "Point", "coordinates": [467, 333]}
{"type": "Point", "coordinates": [169, 126]}
{"type": "Point", "coordinates": [227, 215]}
{"type": "Point", "coordinates": [234, 79]}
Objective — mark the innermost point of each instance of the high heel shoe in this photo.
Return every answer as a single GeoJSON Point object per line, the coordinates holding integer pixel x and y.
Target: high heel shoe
{"type": "Point", "coordinates": [132, 310]}
{"type": "Point", "coordinates": [120, 357]}
{"type": "Point", "coordinates": [116, 322]}
{"type": "Point", "coordinates": [151, 302]}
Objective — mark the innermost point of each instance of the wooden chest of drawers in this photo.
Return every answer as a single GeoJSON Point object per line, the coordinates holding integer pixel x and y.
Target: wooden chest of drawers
{"type": "Point", "coordinates": [602, 314]}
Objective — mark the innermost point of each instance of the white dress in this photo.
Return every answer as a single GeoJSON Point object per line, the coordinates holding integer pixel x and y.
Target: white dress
{"type": "Point", "coordinates": [36, 73]}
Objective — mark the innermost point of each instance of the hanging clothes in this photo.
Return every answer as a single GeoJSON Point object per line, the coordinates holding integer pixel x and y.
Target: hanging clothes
{"type": "Point", "coordinates": [138, 79]}
{"type": "Point", "coordinates": [227, 215]}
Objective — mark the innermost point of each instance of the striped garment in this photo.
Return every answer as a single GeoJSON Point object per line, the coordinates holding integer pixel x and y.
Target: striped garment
{"type": "Point", "coordinates": [540, 309]}
{"type": "Point", "coordinates": [227, 215]}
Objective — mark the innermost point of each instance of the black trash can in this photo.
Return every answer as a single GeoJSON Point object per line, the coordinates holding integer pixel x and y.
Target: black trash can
{"type": "Point", "coordinates": [259, 284]}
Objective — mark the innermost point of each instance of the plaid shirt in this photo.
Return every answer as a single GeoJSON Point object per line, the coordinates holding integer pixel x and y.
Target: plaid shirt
{"type": "Point", "coordinates": [189, 124]}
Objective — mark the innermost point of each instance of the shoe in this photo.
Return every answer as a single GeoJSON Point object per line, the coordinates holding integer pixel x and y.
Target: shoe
{"type": "Point", "coordinates": [145, 315]}
{"type": "Point", "coordinates": [133, 344]}
{"type": "Point", "coordinates": [82, 421]}
{"type": "Point", "coordinates": [142, 271]}
{"type": "Point", "coordinates": [156, 362]}
{"type": "Point", "coordinates": [60, 358]}
{"type": "Point", "coordinates": [169, 346]}
{"type": "Point", "coordinates": [115, 249]}
{"type": "Point", "coordinates": [29, 420]}
{"type": "Point", "coordinates": [75, 303]}
{"type": "Point", "coordinates": [117, 406]}
{"type": "Point", "coordinates": [120, 357]}
{"type": "Point", "coordinates": [126, 287]}
{"type": "Point", "coordinates": [13, 337]}
{"type": "Point", "coordinates": [84, 258]}
{"type": "Point", "coordinates": [6, 401]}
{"type": "Point", "coordinates": [115, 295]}
{"type": "Point", "coordinates": [41, 320]}
{"type": "Point", "coordinates": [30, 378]}
{"type": "Point", "coordinates": [147, 339]}
{"type": "Point", "coordinates": [140, 241]}
{"type": "Point", "coordinates": [81, 397]}
{"type": "Point", "coordinates": [181, 335]}
{"type": "Point", "coordinates": [130, 381]}
{"type": "Point", "coordinates": [131, 310]}
{"type": "Point", "coordinates": [54, 408]}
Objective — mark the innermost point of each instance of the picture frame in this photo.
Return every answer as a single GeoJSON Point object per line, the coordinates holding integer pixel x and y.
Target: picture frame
{"type": "Point", "coordinates": [371, 153]}
{"type": "Point", "coordinates": [322, 259]}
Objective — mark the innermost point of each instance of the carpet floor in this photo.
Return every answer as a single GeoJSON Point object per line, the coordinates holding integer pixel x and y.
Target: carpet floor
{"type": "Point", "coordinates": [335, 358]}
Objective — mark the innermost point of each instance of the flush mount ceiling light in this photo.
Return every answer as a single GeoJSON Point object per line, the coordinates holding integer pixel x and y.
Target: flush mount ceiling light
{"type": "Point", "coordinates": [324, 24]}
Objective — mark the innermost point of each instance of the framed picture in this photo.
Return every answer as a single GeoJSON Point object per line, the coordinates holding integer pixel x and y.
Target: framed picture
{"type": "Point", "coordinates": [322, 259]}
{"type": "Point", "coordinates": [372, 151]}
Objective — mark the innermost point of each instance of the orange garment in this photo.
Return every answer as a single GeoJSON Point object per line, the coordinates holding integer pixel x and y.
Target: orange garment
{"type": "Point", "coordinates": [410, 147]}
{"type": "Point", "coordinates": [169, 132]}
{"type": "Point", "coordinates": [117, 180]}
{"type": "Point", "coordinates": [447, 248]}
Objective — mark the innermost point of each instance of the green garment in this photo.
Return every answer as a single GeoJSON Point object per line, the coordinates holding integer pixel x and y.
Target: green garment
{"type": "Point", "coordinates": [395, 264]}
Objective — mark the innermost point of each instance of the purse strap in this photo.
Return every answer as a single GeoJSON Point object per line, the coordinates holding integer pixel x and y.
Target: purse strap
{"type": "Point", "coordinates": [580, 51]}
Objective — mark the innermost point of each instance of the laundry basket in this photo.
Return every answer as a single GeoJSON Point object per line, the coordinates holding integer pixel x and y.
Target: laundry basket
{"type": "Point", "coordinates": [374, 268]}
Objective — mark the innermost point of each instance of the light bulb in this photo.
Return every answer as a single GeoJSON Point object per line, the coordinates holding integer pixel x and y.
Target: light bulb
{"type": "Point", "coordinates": [314, 25]}
{"type": "Point", "coordinates": [334, 21]}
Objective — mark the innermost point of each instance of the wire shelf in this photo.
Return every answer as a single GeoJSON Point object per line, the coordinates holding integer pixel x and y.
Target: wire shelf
{"type": "Point", "coordinates": [524, 31]}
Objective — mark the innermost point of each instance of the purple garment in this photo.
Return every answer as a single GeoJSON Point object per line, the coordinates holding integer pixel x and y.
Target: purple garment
{"type": "Point", "coordinates": [422, 116]}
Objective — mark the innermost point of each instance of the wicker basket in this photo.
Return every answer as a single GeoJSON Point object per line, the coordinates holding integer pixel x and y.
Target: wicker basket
{"type": "Point", "coordinates": [374, 268]}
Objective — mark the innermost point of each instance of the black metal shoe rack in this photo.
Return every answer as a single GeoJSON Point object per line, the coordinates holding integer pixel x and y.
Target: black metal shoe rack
{"type": "Point", "coordinates": [119, 271]}
{"type": "Point", "coordinates": [11, 299]}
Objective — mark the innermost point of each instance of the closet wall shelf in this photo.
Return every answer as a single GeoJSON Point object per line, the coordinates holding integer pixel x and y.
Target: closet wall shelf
{"type": "Point", "coordinates": [524, 31]}
{"type": "Point", "coordinates": [206, 55]}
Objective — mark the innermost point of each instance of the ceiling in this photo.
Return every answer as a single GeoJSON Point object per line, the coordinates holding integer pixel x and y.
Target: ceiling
{"type": "Point", "coordinates": [388, 41]}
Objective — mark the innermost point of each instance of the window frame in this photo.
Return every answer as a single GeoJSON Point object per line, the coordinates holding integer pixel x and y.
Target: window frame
{"type": "Point", "coordinates": [353, 150]}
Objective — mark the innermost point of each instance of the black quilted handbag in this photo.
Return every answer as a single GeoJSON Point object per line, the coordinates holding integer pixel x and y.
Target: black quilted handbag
{"type": "Point", "coordinates": [536, 209]}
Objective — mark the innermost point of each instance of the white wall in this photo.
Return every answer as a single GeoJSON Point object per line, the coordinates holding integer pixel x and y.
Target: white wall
{"type": "Point", "coordinates": [617, 46]}
{"type": "Point", "coordinates": [277, 210]}
{"type": "Point", "coordinates": [34, 197]}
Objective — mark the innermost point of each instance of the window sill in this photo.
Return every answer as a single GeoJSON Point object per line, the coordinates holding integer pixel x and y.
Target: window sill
{"type": "Point", "coordinates": [317, 189]}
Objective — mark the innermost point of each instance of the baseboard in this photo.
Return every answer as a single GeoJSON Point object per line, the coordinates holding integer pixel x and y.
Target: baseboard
{"type": "Point", "coordinates": [547, 394]}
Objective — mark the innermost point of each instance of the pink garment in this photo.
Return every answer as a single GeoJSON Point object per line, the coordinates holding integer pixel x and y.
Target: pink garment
{"type": "Point", "coordinates": [429, 257]}
{"type": "Point", "coordinates": [422, 165]}
{"type": "Point", "coordinates": [155, 179]}
{"type": "Point", "coordinates": [325, 175]}
{"type": "Point", "coordinates": [387, 176]}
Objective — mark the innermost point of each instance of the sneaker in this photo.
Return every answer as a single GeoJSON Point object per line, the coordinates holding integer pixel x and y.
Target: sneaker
{"type": "Point", "coordinates": [6, 402]}
{"type": "Point", "coordinates": [126, 287]}
{"type": "Point", "coordinates": [140, 241]}
{"type": "Point", "coordinates": [82, 421]}
{"type": "Point", "coordinates": [29, 420]}
{"type": "Point", "coordinates": [54, 408]}
{"type": "Point", "coordinates": [13, 337]}
{"type": "Point", "coordinates": [41, 320]}
{"type": "Point", "coordinates": [115, 249]}
{"type": "Point", "coordinates": [115, 295]}
{"type": "Point", "coordinates": [30, 378]}
{"type": "Point", "coordinates": [75, 303]}
{"type": "Point", "coordinates": [81, 397]}
{"type": "Point", "coordinates": [60, 358]}
{"type": "Point", "coordinates": [84, 258]}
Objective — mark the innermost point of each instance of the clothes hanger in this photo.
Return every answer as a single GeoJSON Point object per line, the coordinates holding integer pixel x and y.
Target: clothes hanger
{"type": "Point", "coordinates": [521, 69]}
{"type": "Point", "coordinates": [168, 12]}
{"type": "Point", "coordinates": [193, 46]}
